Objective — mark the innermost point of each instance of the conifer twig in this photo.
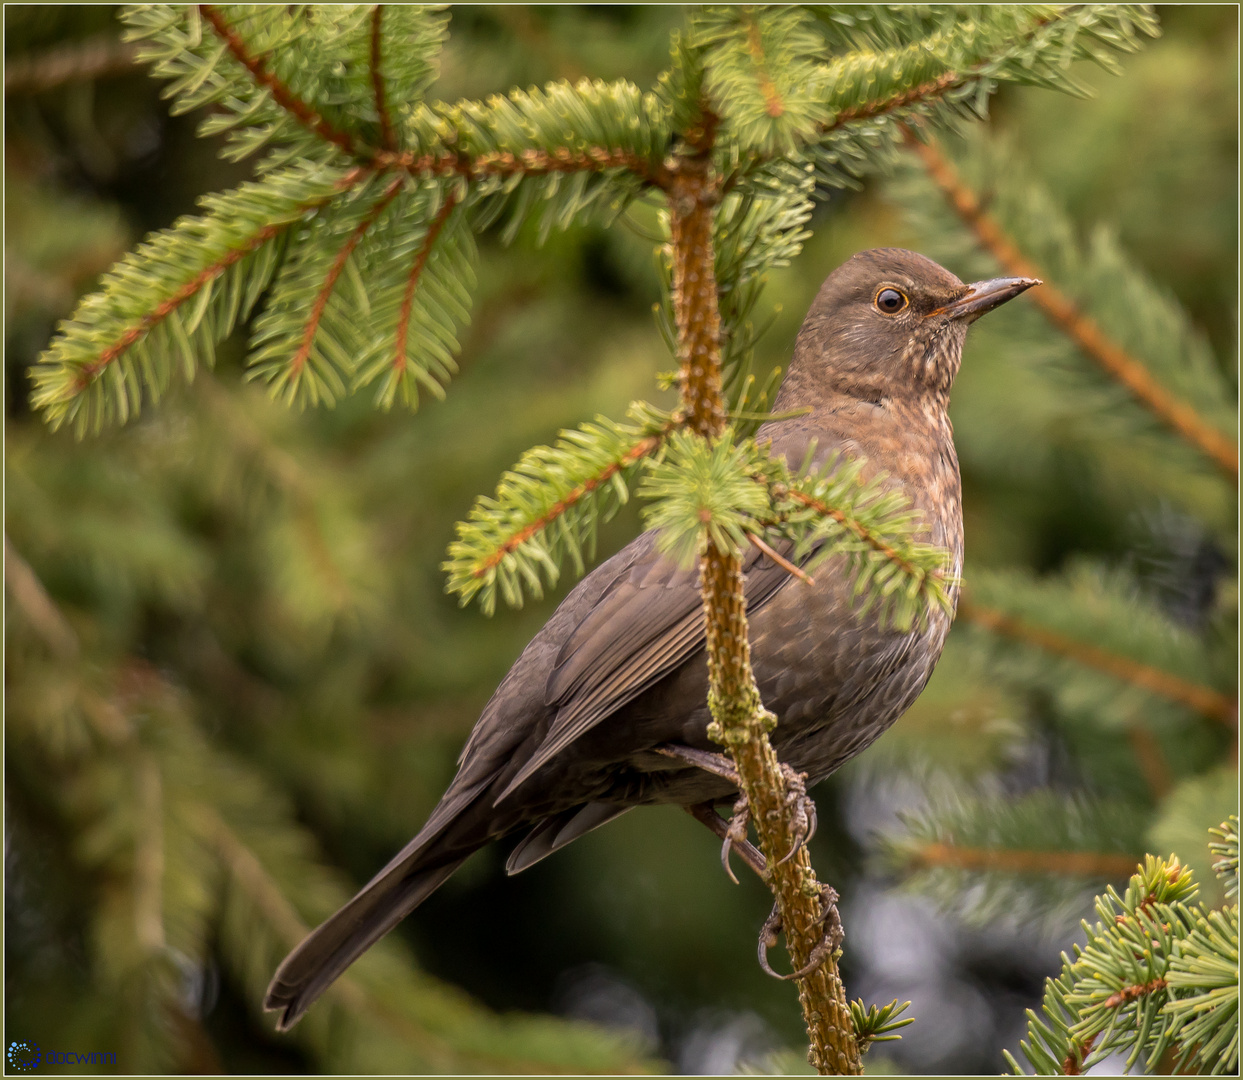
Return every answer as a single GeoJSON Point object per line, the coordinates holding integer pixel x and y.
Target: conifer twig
{"type": "Point", "coordinates": [1202, 699]}
{"type": "Point", "coordinates": [1062, 311]}
{"type": "Point", "coordinates": [1078, 1053]}
{"type": "Point", "coordinates": [779, 559]}
{"type": "Point", "coordinates": [872, 541]}
{"type": "Point", "coordinates": [400, 360]}
{"type": "Point", "coordinates": [773, 104]}
{"type": "Point", "coordinates": [281, 94]}
{"type": "Point", "coordinates": [933, 88]}
{"type": "Point", "coordinates": [377, 80]}
{"type": "Point", "coordinates": [335, 271]}
{"type": "Point", "coordinates": [1015, 861]}
{"type": "Point", "coordinates": [640, 450]}
{"type": "Point", "coordinates": [87, 373]}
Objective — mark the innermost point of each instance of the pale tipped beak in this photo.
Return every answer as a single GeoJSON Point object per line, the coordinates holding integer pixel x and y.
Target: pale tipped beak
{"type": "Point", "coordinates": [983, 296]}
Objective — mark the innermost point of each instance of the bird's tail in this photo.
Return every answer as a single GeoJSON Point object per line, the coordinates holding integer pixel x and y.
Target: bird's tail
{"type": "Point", "coordinates": [321, 958]}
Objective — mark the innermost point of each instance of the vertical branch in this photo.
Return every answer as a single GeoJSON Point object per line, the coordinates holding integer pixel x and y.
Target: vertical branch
{"type": "Point", "coordinates": [377, 80]}
{"type": "Point", "coordinates": [740, 721]}
{"type": "Point", "coordinates": [334, 273]}
{"type": "Point", "coordinates": [412, 282]}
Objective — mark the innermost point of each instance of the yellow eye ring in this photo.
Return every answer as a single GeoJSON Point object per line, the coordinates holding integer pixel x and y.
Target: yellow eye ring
{"type": "Point", "coordinates": [890, 301]}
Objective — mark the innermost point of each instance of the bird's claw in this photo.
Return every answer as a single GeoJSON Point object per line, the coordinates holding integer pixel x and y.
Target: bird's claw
{"type": "Point", "coordinates": [804, 820]}
{"type": "Point", "coordinates": [739, 819]}
{"type": "Point", "coordinates": [830, 941]}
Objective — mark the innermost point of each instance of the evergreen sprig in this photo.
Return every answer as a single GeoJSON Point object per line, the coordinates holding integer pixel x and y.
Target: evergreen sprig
{"type": "Point", "coordinates": [763, 75]}
{"type": "Point", "coordinates": [307, 84]}
{"type": "Point", "coordinates": [1079, 635]}
{"type": "Point", "coordinates": [324, 87]}
{"type": "Point", "coordinates": [875, 1024]}
{"type": "Point", "coordinates": [703, 492]}
{"type": "Point", "coordinates": [828, 511]}
{"type": "Point", "coordinates": [990, 856]}
{"type": "Point", "coordinates": [948, 70]}
{"type": "Point", "coordinates": [1158, 974]}
{"type": "Point", "coordinates": [548, 509]}
{"type": "Point", "coordinates": [179, 294]}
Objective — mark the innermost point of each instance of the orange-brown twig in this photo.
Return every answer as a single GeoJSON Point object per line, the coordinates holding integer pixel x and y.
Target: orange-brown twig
{"type": "Point", "coordinates": [377, 80]}
{"type": "Point", "coordinates": [780, 559]}
{"type": "Point", "coordinates": [639, 450]}
{"type": "Point", "coordinates": [530, 162]}
{"type": "Point", "coordinates": [334, 272]}
{"type": "Point", "coordinates": [1066, 316]}
{"type": "Point", "coordinates": [1131, 993]}
{"type": "Point", "coordinates": [281, 94]}
{"type": "Point", "coordinates": [89, 372]}
{"type": "Point", "coordinates": [870, 109]}
{"type": "Point", "coordinates": [1073, 1061]}
{"type": "Point", "coordinates": [773, 104]}
{"type": "Point", "coordinates": [874, 542]}
{"type": "Point", "coordinates": [1099, 864]}
{"type": "Point", "coordinates": [412, 282]}
{"type": "Point", "coordinates": [1202, 699]}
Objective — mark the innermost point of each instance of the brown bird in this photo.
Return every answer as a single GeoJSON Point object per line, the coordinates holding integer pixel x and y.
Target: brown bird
{"type": "Point", "coordinates": [606, 708]}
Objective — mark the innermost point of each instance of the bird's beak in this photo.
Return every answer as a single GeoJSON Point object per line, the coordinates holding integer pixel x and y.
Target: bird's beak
{"type": "Point", "coordinates": [983, 296]}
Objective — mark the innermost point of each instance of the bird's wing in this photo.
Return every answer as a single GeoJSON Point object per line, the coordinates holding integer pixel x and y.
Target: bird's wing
{"type": "Point", "coordinates": [647, 621]}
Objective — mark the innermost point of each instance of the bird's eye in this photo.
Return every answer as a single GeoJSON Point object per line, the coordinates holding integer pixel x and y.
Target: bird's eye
{"type": "Point", "coordinates": [890, 301]}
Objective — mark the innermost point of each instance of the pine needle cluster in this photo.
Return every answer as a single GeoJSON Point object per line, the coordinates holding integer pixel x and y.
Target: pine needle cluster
{"type": "Point", "coordinates": [1158, 978]}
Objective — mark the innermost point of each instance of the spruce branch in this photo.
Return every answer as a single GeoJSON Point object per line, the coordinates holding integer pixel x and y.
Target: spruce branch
{"type": "Point", "coordinates": [947, 71]}
{"type": "Point", "coordinates": [401, 361]}
{"type": "Point", "coordinates": [549, 507]}
{"type": "Point", "coordinates": [1157, 974]}
{"type": "Point", "coordinates": [761, 75]}
{"type": "Point", "coordinates": [1065, 314]}
{"type": "Point", "coordinates": [124, 338]}
{"type": "Point", "coordinates": [1202, 699]}
{"type": "Point", "coordinates": [303, 111]}
{"type": "Point", "coordinates": [878, 1024]}
{"type": "Point", "coordinates": [334, 272]}
{"type": "Point", "coordinates": [985, 855]}
{"type": "Point", "coordinates": [377, 80]}
{"type": "Point", "coordinates": [1094, 864]}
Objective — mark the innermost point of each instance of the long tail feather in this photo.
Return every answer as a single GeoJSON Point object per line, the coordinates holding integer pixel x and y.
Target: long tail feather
{"type": "Point", "coordinates": [317, 963]}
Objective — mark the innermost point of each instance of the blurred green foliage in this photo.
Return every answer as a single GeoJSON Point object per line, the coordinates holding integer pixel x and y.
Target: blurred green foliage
{"type": "Point", "coordinates": [261, 588]}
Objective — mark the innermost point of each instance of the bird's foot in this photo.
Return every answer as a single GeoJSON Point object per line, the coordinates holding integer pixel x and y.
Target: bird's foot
{"type": "Point", "coordinates": [736, 833]}
{"type": "Point", "coordinates": [751, 855]}
{"type": "Point", "coordinates": [804, 819]}
{"type": "Point", "coordinates": [830, 940]}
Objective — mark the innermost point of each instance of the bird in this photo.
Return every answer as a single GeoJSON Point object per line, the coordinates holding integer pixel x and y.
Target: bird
{"type": "Point", "coordinates": [606, 708]}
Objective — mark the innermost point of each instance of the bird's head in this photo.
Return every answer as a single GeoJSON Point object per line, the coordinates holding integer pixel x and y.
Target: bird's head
{"type": "Point", "coordinates": [890, 322]}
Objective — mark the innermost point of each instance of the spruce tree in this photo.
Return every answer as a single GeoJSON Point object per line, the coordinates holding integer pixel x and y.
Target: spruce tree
{"type": "Point", "coordinates": [370, 199]}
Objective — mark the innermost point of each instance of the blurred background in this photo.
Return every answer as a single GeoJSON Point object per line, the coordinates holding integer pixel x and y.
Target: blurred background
{"type": "Point", "coordinates": [251, 598]}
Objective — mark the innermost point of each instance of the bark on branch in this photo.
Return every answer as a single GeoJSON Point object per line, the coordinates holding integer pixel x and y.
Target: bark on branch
{"type": "Point", "coordinates": [740, 721]}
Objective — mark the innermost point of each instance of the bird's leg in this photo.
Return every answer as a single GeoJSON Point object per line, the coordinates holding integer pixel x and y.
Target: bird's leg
{"type": "Point", "coordinates": [717, 764]}
{"type": "Point", "coordinates": [804, 818]}
{"type": "Point", "coordinates": [751, 855]}
{"type": "Point", "coordinates": [830, 941]}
